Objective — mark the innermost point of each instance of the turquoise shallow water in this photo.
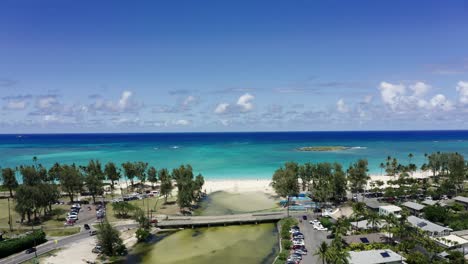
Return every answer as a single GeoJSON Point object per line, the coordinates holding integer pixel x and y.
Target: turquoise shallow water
{"type": "Point", "coordinates": [228, 155]}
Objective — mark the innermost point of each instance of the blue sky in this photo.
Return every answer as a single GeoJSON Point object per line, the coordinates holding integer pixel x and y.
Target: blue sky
{"type": "Point", "coordinates": [116, 66]}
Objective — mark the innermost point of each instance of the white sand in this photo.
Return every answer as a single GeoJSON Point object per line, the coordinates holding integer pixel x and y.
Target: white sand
{"type": "Point", "coordinates": [78, 252]}
{"type": "Point", "coordinates": [238, 186]}
{"type": "Point", "coordinates": [385, 178]}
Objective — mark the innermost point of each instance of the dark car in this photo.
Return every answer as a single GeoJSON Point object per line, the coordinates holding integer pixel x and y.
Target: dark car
{"type": "Point", "coordinates": [86, 226]}
{"type": "Point", "coordinates": [299, 247]}
{"type": "Point", "coordinates": [30, 250]}
{"type": "Point", "coordinates": [304, 217]}
{"type": "Point", "coordinates": [330, 236]}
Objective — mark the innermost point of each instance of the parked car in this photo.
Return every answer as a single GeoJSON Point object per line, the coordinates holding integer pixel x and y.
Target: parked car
{"type": "Point", "coordinates": [299, 236]}
{"type": "Point", "coordinates": [304, 217]}
{"type": "Point", "coordinates": [331, 236]}
{"type": "Point", "coordinates": [72, 217]}
{"type": "Point", "coordinates": [92, 233]}
{"type": "Point", "coordinates": [86, 226]}
{"type": "Point", "coordinates": [300, 251]}
{"type": "Point", "coordinates": [293, 230]}
{"type": "Point", "coordinates": [298, 243]}
{"type": "Point", "coordinates": [314, 222]}
{"type": "Point", "coordinates": [97, 249]}
{"type": "Point", "coordinates": [301, 247]}
{"type": "Point", "coordinates": [30, 250]}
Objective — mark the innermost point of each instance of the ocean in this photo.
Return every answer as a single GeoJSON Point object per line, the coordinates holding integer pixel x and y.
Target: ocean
{"type": "Point", "coordinates": [253, 155]}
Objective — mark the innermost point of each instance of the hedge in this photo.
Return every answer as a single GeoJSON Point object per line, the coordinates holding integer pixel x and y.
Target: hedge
{"type": "Point", "coordinates": [15, 245]}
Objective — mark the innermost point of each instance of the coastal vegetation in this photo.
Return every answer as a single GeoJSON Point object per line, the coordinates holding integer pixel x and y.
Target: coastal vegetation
{"type": "Point", "coordinates": [323, 148]}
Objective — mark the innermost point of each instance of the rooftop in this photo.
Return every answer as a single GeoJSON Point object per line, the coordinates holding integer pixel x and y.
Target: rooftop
{"type": "Point", "coordinates": [364, 224]}
{"type": "Point", "coordinates": [462, 199]}
{"type": "Point", "coordinates": [414, 206]}
{"type": "Point", "coordinates": [432, 202]}
{"type": "Point", "coordinates": [426, 225]}
{"type": "Point", "coordinates": [451, 240]}
{"type": "Point", "coordinates": [374, 257]}
{"type": "Point", "coordinates": [365, 238]}
{"type": "Point", "coordinates": [373, 203]}
{"type": "Point", "coordinates": [390, 208]}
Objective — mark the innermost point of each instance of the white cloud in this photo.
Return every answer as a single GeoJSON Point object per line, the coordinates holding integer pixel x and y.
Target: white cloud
{"type": "Point", "coordinates": [440, 101]}
{"type": "Point", "coordinates": [392, 93]}
{"type": "Point", "coordinates": [16, 105]}
{"type": "Point", "coordinates": [420, 89]}
{"type": "Point", "coordinates": [124, 101]}
{"type": "Point", "coordinates": [341, 106]}
{"type": "Point", "coordinates": [245, 102]}
{"type": "Point", "coordinates": [462, 89]}
{"type": "Point", "coordinates": [46, 102]}
{"type": "Point", "coordinates": [182, 122]}
{"type": "Point", "coordinates": [124, 104]}
{"type": "Point", "coordinates": [190, 99]}
{"type": "Point", "coordinates": [224, 122]}
{"type": "Point", "coordinates": [221, 108]}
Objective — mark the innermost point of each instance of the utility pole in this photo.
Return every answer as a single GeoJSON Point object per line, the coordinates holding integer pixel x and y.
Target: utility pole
{"type": "Point", "coordinates": [9, 216]}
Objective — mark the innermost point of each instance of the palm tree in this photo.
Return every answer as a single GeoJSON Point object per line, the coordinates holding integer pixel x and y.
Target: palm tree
{"type": "Point", "coordinates": [359, 210]}
{"type": "Point", "coordinates": [373, 219]}
{"type": "Point", "coordinates": [323, 252]}
{"type": "Point", "coordinates": [341, 227]}
{"type": "Point", "coordinates": [382, 166]}
{"type": "Point", "coordinates": [410, 156]}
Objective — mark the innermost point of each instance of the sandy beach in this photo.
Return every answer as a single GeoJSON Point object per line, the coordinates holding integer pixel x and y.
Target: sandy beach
{"type": "Point", "coordinates": [78, 252]}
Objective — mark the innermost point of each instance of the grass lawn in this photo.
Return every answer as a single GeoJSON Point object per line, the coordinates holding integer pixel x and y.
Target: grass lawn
{"type": "Point", "coordinates": [54, 222]}
{"type": "Point", "coordinates": [42, 257]}
{"type": "Point", "coordinates": [156, 204]}
{"type": "Point", "coordinates": [66, 231]}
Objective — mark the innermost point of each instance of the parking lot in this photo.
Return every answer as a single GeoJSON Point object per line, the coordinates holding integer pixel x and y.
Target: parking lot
{"type": "Point", "coordinates": [312, 239]}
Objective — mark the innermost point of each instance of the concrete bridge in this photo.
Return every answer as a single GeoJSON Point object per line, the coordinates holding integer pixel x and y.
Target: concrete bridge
{"type": "Point", "coordinates": [222, 220]}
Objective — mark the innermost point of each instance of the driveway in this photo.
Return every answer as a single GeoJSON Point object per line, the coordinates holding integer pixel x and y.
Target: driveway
{"type": "Point", "coordinates": [312, 239]}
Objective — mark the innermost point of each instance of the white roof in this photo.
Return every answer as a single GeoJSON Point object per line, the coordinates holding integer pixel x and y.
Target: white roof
{"type": "Point", "coordinates": [426, 225]}
{"type": "Point", "coordinates": [432, 202]}
{"type": "Point", "coordinates": [462, 199]}
{"type": "Point", "coordinates": [451, 240]}
{"type": "Point", "coordinates": [414, 206]}
{"type": "Point", "coordinates": [374, 256]}
{"type": "Point", "coordinates": [390, 208]}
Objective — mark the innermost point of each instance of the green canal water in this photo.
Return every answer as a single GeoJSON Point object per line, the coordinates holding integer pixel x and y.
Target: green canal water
{"type": "Point", "coordinates": [246, 244]}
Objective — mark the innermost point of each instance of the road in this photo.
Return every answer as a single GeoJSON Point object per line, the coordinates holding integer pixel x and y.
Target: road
{"type": "Point", "coordinates": [312, 240]}
{"type": "Point", "coordinates": [50, 245]}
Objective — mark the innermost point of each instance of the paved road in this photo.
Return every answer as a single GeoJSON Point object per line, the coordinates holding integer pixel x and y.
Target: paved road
{"type": "Point", "coordinates": [312, 239]}
{"type": "Point", "coordinates": [50, 245]}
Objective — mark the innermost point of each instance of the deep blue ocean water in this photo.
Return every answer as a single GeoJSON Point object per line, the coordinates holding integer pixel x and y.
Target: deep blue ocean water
{"type": "Point", "coordinates": [228, 155]}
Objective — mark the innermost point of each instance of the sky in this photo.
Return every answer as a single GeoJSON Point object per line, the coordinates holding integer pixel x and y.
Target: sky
{"type": "Point", "coordinates": [182, 66]}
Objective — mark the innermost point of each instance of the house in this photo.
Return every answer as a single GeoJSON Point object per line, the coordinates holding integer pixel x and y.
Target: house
{"type": "Point", "coordinates": [462, 200]}
{"type": "Point", "coordinates": [364, 225]}
{"type": "Point", "coordinates": [366, 239]}
{"type": "Point", "coordinates": [451, 241]}
{"type": "Point", "coordinates": [414, 208]}
{"type": "Point", "coordinates": [373, 204]}
{"type": "Point", "coordinates": [433, 230]}
{"type": "Point", "coordinates": [386, 210]}
{"type": "Point", "coordinates": [432, 203]}
{"type": "Point", "coordinates": [380, 256]}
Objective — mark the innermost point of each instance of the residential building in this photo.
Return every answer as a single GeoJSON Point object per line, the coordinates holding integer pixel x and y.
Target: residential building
{"type": "Point", "coordinates": [415, 209]}
{"type": "Point", "coordinates": [462, 200]}
{"type": "Point", "coordinates": [433, 230]}
{"type": "Point", "coordinates": [386, 210]}
{"type": "Point", "coordinates": [380, 256]}
{"type": "Point", "coordinates": [366, 239]}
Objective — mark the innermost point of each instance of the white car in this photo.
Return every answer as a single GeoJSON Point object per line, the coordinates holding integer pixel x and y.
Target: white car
{"type": "Point", "coordinates": [298, 243]}
{"type": "Point", "coordinates": [321, 228]}
{"type": "Point", "coordinates": [72, 217]}
{"type": "Point", "coordinates": [314, 222]}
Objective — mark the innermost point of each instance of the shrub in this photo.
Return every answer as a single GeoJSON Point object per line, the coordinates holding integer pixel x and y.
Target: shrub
{"type": "Point", "coordinates": [283, 255]}
{"type": "Point", "coordinates": [15, 245]}
{"type": "Point", "coordinates": [286, 244]}
{"type": "Point", "coordinates": [142, 234]}
{"type": "Point", "coordinates": [326, 222]}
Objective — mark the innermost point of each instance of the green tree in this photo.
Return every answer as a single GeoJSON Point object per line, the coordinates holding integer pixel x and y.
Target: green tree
{"type": "Point", "coordinates": [140, 171]}
{"type": "Point", "coordinates": [94, 177]}
{"type": "Point", "coordinates": [357, 176]}
{"type": "Point", "coordinates": [109, 239]}
{"type": "Point", "coordinates": [185, 186]}
{"type": "Point", "coordinates": [123, 209]}
{"type": "Point", "coordinates": [359, 210]}
{"type": "Point", "coordinates": [112, 173]}
{"type": "Point", "coordinates": [166, 183]}
{"type": "Point", "coordinates": [71, 180]}
{"type": "Point", "coordinates": [129, 171]}
{"type": "Point", "coordinates": [152, 176]}
{"type": "Point", "coordinates": [323, 252]}
{"type": "Point", "coordinates": [9, 180]}
{"type": "Point", "coordinates": [285, 180]}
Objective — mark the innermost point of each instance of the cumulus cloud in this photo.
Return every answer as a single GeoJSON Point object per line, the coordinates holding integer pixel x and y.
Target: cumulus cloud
{"type": "Point", "coordinates": [126, 103]}
{"type": "Point", "coordinates": [341, 106]}
{"type": "Point", "coordinates": [462, 89]}
{"type": "Point", "coordinates": [182, 122]}
{"type": "Point", "coordinates": [189, 100]}
{"type": "Point", "coordinates": [221, 108]}
{"type": "Point", "coordinates": [420, 89]}
{"type": "Point", "coordinates": [16, 105]}
{"type": "Point", "coordinates": [441, 102]}
{"type": "Point", "coordinates": [245, 102]}
{"type": "Point", "coordinates": [391, 93]}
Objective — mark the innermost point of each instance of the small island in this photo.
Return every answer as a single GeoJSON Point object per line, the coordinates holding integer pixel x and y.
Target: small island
{"type": "Point", "coordinates": [323, 148]}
